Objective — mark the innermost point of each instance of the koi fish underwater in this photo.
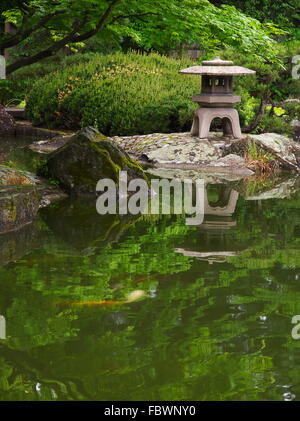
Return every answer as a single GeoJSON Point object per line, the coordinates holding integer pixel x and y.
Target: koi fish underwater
{"type": "Point", "coordinates": [133, 296]}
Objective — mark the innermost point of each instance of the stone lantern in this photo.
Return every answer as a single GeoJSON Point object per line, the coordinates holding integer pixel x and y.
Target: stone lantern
{"type": "Point", "coordinates": [217, 98]}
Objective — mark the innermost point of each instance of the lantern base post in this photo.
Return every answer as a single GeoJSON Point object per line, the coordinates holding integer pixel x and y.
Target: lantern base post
{"type": "Point", "coordinates": [204, 116]}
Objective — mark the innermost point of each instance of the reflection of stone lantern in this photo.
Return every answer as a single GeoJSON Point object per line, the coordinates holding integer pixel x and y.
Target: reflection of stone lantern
{"type": "Point", "coordinates": [217, 98]}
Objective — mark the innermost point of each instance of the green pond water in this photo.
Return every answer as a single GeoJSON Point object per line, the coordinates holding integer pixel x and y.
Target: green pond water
{"type": "Point", "coordinates": [215, 320]}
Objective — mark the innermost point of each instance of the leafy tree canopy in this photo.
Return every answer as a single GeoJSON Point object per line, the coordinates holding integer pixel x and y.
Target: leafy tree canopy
{"type": "Point", "coordinates": [284, 13]}
{"type": "Point", "coordinates": [43, 27]}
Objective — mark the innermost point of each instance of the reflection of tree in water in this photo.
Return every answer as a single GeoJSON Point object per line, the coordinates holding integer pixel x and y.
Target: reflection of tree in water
{"type": "Point", "coordinates": [210, 332]}
{"type": "Point", "coordinates": [15, 244]}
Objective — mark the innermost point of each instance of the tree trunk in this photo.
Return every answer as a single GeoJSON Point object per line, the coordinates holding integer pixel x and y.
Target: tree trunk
{"type": "Point", "coordinates": [261, 111]}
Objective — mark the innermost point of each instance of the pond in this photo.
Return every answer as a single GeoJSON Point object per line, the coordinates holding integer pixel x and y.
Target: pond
{"type": "Point", "coordinates": [14, 151]}
{"type": "Point", "coordinates": [214, 323]}
{"type": "Point", "coordinates": [215, 318]}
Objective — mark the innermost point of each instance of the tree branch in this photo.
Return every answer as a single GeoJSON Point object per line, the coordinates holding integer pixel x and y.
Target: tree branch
{"type": "Point", "coordinates": [25, 61]}
{"type": "Point", "coordinates": [23, 34]}
{"type": "Point", "coordinates": [99, 25]}
{"type": "Point", "coordinates": [292, 6]}
{"type": "Point", "coordinates": [261, 111]}
{"type": "Point", "coordinates": [71, 37]}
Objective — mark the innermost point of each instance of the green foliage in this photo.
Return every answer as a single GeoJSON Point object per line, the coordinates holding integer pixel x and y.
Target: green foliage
{"type": "Point", "coordinates": [121, 94]}
{"type": "Point", "coordinates": [274, 124]}
{"type": "Point", "coordinates": [247, 107]}
{"type": "Point", "coordinates": [17, 87]}
{"type": "Point", "coordinates": [284, 13]}
{"type": "Point", "coordinates": [11, 92]}
{"type": "Point", "coordinates": [259, 158]}
{"type": "Point", "coordinates": [46, 27]}
{"type": "Point", "coordinates": [208, 26]}
{"type": "Point", "coordinates": [80, 106]}
{"type": "Point", "coordinates": [271, 82]}
{"type": "Point", "coordinates": [134, 93]}
{"type": "Point", "coordinates": [292, 110]}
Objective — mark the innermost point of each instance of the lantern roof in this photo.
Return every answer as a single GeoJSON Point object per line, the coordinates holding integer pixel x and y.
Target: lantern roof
{"type": "Point", "coordinates": [218, 67]}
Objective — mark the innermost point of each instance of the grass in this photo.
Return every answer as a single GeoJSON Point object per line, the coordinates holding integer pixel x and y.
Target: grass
{"type": "Point", "coordinates": [16, 180]}
{"type": "Point", "coordinates": [261, 160]}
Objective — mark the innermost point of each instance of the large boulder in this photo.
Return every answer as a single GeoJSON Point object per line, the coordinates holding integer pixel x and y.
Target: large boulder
{"type": "Point", "coordinates": [19, 204]}
{"type": "Point", "coordinates": [285, 152]}
{"type": "Point", "coordinates": [18, 207]}
{"type": "Point", "coordinates": [12, 177]}
{"type": "Point", "coordinates": [7, 122]}
{"type": "Point", "coordinates": [185, 150]}
{"type": "Point", "coordinates": [84, 159]}
{"type": "Point", "coordinates": [21, 195]}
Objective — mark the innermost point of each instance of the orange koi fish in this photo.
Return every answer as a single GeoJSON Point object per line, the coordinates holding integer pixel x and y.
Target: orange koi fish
{"type": "Point", "coordinates": [133, 296]}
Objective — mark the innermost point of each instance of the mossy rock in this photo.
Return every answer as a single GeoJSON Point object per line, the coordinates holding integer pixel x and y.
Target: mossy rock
{"type": "Point", "coordinates": [18, 207]}
{"type": "Point", "coordinates": [282, 150]}
{"type": "Point", "coordinates": [13, 177]}
{"type": "Point", "coordinates": [85, 159]}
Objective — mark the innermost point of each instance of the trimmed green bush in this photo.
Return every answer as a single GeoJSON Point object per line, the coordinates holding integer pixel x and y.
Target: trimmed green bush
{"type": "Point", "coordinates": [120, 94]}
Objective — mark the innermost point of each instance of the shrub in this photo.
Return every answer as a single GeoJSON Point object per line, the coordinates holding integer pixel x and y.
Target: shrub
{"type": "Point", "coordinates": [11, 92]}
{"type": "Point", "coordinates": [280, 120]}
{"type": "Point", "coordinates": [274, 124]}
{"type": "Point", "coordinates": [120, 94]}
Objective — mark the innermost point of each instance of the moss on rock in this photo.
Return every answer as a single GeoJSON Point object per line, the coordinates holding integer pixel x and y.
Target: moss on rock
{"type": "Point", "coordinates": [18, 207]}
{"type": "Point", "coordinates": [85, 159]}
